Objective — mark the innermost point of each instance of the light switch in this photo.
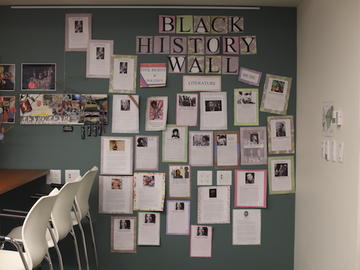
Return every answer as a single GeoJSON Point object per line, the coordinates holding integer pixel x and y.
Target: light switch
{"type": "Point", "coordinates": [71, 175]}
{"type": "Point", "coordinates": [53, 177]}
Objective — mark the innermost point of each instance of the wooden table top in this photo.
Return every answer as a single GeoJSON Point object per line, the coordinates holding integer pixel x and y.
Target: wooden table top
{"type": "Point", "coordinates": [11, 179]}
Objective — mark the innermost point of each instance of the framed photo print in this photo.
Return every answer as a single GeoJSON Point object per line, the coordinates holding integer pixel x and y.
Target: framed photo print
{"type": "Point", "coordinates": [281, 134]}
{"type": "Point", "coordinates": [276, 94]}
{"type": "Point", "coordinates": [226, 149]}
{"type": "Point", "coordinates": [123, 234]}
{"type": "Point", "coordinates": [98, 58]}
{"type": "Point", "coordinates": [77, 31]}
{"type": "Point", "coordinates": [7, 77]}
{"type": "Point", "coordinates": [7, 109]}
{"type": "Point", "coordinates": [281, 175]}
{"type": "Point", "coordinates": [38, 77]}
{"type": "Point", "coordinates": [253, 146]}
{"type": "Point", "coordinates": [246, 107]}
{"type": "Point", "coordinates": [123, 74]}
{"type": "Point", "coordinates": [179, 181]}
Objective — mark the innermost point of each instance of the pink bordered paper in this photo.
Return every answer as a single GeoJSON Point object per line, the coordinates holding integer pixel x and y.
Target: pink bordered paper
{"type": "Point", "coordinates": [250, 188]}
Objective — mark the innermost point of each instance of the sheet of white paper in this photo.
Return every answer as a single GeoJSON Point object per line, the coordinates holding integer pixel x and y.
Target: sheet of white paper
{"type": "Point", "coordinates": [224, 178]}
{"type": "Point", "coordinates": [246, 227]}
{"type": "Point", "coordinates": [179, 181]}
{"type": "Point", "coordinates": [213, 204]}
{"type": "Point", "coordinates": [98, 58]}
{"type": "Point", "coordinates": [275, 95]}
{"type": "Point", "coordinates": [281, 135]}
{"type": "Point", "coordinates": [123, 77]}
{"type": "Point", "coordinates": [71, 175]}
{"type": "Point", "coordinates": [147, 153]}
{"type": "Point", "coordinates": [250, 188]}
{"type": "Point", "coordinates": [54, 176]}
{"type": "Point", "coordinates": [213, 111]}
{"type": "Point", "coordinates": [116, 194]}
{"type": "Point", "coordinates": [227, 149]}
{"type": "Point", "coordinates": [246, 106]}
{"type": "Point", "coordinates": [149, 191]}
{"type": "Point", "coordinates": [123, 234]}
{"type": "Point", "coordinates": [78, 31]}
{"type": "Point", "coordinates": [281, 175]}
{"type": "Point", "coordinates": [253, 143]}
{"type": "Point", "coordinates": [178, 217]}
{"type": "Point", "coordinates": [148, 229]}
{"type": "Point", "coordinates": [204, 178]}
{"type": "Point", "coordinates": [117, 155]}
{"type": "Point", "coordinates": [186, 109]}
{"type": "Point", "coordinates": [125, 114]}
{"type": "Point", "coordinates": [175, 142]}
{"type": "Point", "coordinates": [200, 241]}
{"type": "Point", "coordinates": [156, 113]}
{"type": "Point", "coordinates": [201, 148]}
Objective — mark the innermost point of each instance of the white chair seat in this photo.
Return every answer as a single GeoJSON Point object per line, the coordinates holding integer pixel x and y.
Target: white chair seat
{"type": "Point", "coordinates": [16, 235]}
{"type": "Point", "coordinates": [11, 260]}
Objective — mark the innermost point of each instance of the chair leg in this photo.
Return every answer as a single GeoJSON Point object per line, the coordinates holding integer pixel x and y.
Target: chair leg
{"type": "Point", "coordinates": [72, 232]}
{"type": "Point", "coordinates": [48, 259]}
{"type": "Point", "coordinates": [84, 244]}
{"type": "Point", "coordinates": [93, 240]}
{"type": "Point", "coordinates": [61, 265]}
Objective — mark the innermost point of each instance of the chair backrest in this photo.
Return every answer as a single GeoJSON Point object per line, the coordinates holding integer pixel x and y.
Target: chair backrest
{"type": "Point", "coordinates": [34, 229]}
{"type": "Point", "coordinates": [83, 194]}
{"type": "Point", "coordinates": [61, 213]}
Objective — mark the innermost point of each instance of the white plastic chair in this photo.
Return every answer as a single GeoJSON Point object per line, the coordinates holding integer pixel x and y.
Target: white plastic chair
{"type": "Point", "coordinates": [61, 220]}
{"type": "Point", "coordinates": [34, 238]}
{"type": "Point", "coordinates": [82, 208]}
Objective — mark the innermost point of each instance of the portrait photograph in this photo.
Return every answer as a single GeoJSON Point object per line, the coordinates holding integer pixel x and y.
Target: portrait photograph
{"type": "Point", "coordinates": [213, 106]}
{"type": "Point", "coordinates": [187, 100]}
{"type": "Point", "coordinates": [7, 77]}
{"type": "Point", "coordinates": [142, 142]}
{"type": "Point", "coordinates": [38, 77]}
{"type": "Point", "coordinates": [201, 140]}
{"type": "Point", "coordinates": [125, 105]}
{"type": "Point", "coordinates": [149, 180]}
{"type": "Point", "coordinates": [116, 183]}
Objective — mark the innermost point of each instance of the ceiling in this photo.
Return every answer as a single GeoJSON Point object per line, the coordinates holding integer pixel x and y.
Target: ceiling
{"type": "Point", "coordinates": [285, 3]}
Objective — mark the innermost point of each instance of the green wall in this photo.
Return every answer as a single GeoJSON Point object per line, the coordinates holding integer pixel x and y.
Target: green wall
{"type": "Point", "coordinates": [37, 36]}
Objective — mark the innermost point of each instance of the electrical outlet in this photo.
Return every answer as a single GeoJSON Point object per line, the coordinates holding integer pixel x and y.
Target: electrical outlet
{"type": "Point", "coordinates": [53, 177]}
{"type": "Point", "coordinates": [71, 175]}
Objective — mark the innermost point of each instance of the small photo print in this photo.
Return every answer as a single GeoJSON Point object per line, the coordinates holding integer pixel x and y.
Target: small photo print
{"type": "Point", "coordinates": [156, 109]}
{"type": "Point", "coordinates": [116, 183]}
{"type": "Point", "coordinates": [100, 53]}
{"type": "Point", "coordinates": [212, 192]}
{"type": "Point", "coordinates": [117, 145]}
{"type": "Point", "coordinates": [38, 77]}
{"type": "Point", "coordinates": [7, 77]}
{"type": "Point", "coordinates": [179, 206]}
{"type": "Point", "coordinates": [246, 213]}
{"type": "Point", "coordinates": [149, 180]}
{"type": "Point", "coordinates": [142, 142]}
{"type": "Point", "coordinates": [202, 231]}
{"type": "Point", "coordinates": [280, 128]}
{"type": "Point", "coordinates": [175, 134]}
{"type": "Point", "coordinates": [150, 218]}
{"type": "Point", "coordinates": [125, 105]}
{"type": "Point", "coordinates": [79, 26]}
{"type": "Point", "coordinates": [245, 97]}
{"type": "Point", "coordinates": [213, 106]}
{"type": "Point", "coordinates": [201, 140]}
{"type": "Point", "coordinates": [125, 224]}
{"type": "Point", "coordinates": [177, 173]}
{"type": "Point", "coordinates": [249, 178]}
{"type": "Point", "coordinates": [277, 86]}
{"type": "Point", "coordinates": [254, 138]}
{"type": "Point", "coordinates": [187, 101]}
{"type": "Point", "coordinates": [221, 140]}
{"type": "Point", "coordinates": [281, 169]}
{"type": "Point", "coordinates": [123, 68]}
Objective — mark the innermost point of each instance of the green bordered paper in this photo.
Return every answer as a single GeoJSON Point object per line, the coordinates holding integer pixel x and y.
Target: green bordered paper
{"type": "Point", "coordinates": [123, 74]}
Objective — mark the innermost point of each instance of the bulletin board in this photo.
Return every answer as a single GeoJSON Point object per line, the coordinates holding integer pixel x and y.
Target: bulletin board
{"type": "Point", "coordinates": [37, 36]}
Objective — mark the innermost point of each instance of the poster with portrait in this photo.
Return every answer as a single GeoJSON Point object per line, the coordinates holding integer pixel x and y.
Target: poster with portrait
{"type": "Point", "coordinates": [125, 114]}
{"type": "Point", "coordinates": [177, 217]}
{"type": "Point", "coordinates": [7, 77]}
{"type": "Point", "coordinates": [246, 107]}
{"type": "Point", "coordinates": [116, 155]}
{"type": "Point", "coordinates": [98, 58]}
{"type": "Point", "coordinates": [116, 194]}
{"type": "Point", "coordinates": [123, 234]}
{"type": "Point", "coordinates": [149, 191]}
{"type": "Point", "coordinates": [201, 241]}
{"type": "Point", "coordinates": [179, 181]}
{"type": "Point", "coordinates": [77, 31]}
{"type": "Point", "coordinates": [253, 145]}
{"type": "Point", "coordinates": [246, 229]}
{"type": "Point", "coordinates": [281, 134]}
{"type": "Point", "coordinates": [146, 153]}
{"type": "Point", "coordinates": [148, 229]}
{"type": "Point", "coordinates": [281, 175]}
{"type": "Point", "coordinates": [250, 188]}
{"type": "Point", "coordinates": [186, 109]}
{"type": "Point", "coordinates": [152, 75]}
{"type": "Point", "coordinates": [213, 111]}
{"type": "Point", "coordinates": [123, 74]}
{"type": "Point", "coordinates": [226, 147]}
{"type": "Point", "coordinates": [276, 94]}
{"type": "Point", "coordinates": [38, 77]}
{"type": "Point", "coordinates": [156, 113]}
{"type": "Point", "coordinates": [7, 110]}
{"type": "Point", "coordinates": [174, 144]}
{"type": "Point", "coordinates": [201, 148]}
